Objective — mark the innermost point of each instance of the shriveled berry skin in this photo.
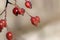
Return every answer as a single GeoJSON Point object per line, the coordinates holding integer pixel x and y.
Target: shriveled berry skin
{"type": "Point", "coordinates": [15, 11]}
{"type": "Point", "coordinates": [21, 11]}
{"type": "Point", "coordinates": [35, 20]}
{"type": "Point", "coordinates": [9, 35]}
{"type": "Point", "coordinates": [28, 4]}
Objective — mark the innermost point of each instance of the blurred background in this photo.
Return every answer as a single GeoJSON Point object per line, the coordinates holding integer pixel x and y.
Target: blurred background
{"type": "Point", "coordinates": [21, 27]}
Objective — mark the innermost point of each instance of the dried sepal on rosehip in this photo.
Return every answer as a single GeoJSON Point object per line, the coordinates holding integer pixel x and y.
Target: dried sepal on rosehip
{"type": "Point", "coordinates": [28, 4]}
{"type": "Point", "coordinates": [9, 35]}
{"type": "Point", "coordinates": [35, 20]}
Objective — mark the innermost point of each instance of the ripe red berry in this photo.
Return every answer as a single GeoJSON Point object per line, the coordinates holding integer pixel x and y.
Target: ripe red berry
{"type": "Point", "coordinates": [15, 11]}
{"type": "Point", "coordinates": [9, 35]}
{"type": "Point", "coordinates": [1, 26]}
{"type": "Point", "coordinates": [28, 4]}
{"type": "Point", "coordinates": [35, 20]}
{"type": "Point", "coordinates": [21, 11]}
{"type": "Point", "coordinates": [4, 22]}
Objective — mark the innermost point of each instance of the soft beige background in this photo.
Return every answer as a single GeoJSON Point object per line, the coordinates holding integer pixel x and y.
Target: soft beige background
{"type": "Point", "coordinates": [49, 28]}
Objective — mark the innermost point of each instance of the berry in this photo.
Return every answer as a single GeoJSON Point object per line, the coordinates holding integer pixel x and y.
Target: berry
{"type": "Point", "coordinates": [15, 11]}
{"type": "Point", "coordinates": [21, 11]}
{"type": "Point", "coordinates": [35, 20]}
{"type": "Point", "coordinates": [9, 35]}
{"type": "Point", "coordinates": [1, 26]}
{"type": "Point", "coordinates": [28, 4]}
{"type": "Point", "coordinates": [4, 22]}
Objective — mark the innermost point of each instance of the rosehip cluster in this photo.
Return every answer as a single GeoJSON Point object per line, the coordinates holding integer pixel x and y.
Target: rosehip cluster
{"type": "Point", "coordinates": [18, 11]}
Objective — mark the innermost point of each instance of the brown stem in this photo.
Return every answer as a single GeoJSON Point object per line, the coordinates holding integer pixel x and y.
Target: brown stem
{"type": "Point", "coordinates": [15, 2]}
{"type": "Point", "coordinates": [2, 12]}
{"type": "Point", "coordinates": [5, 13]}
{"type": "Point", "coordinates": [28, 13]}
{"type": "Point", "coordinates": [11, 3]}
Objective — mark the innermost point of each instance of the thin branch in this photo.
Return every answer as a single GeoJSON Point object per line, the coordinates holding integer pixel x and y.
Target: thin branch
{"type": "Point", "coordinates": [11, 3]}
{"type": "Point", "coordinates": [5, 14]}
{"type": "Point", "coordinates": [28, 14]}
{"type": "Point", "coordinates": [15, 2]}
{"type": "Point", "coordinates": [2, 12]}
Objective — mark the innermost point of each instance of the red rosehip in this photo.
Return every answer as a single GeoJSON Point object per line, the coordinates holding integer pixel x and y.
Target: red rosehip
{"type": "Point", "coordinates": [15, 11]}
{"type": "Point", "coordinates": [35, 20]}
{"type": "Point", "coordinates": [1, 26]}
{"type": "Point", "coordinates": [4, 22]}
{"type": "Point", "coordinates": [28, 4]}
{"type": "Point", "coordinates": [9, 35]}
{"type": "Point", "coordinates": [21, 11]}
